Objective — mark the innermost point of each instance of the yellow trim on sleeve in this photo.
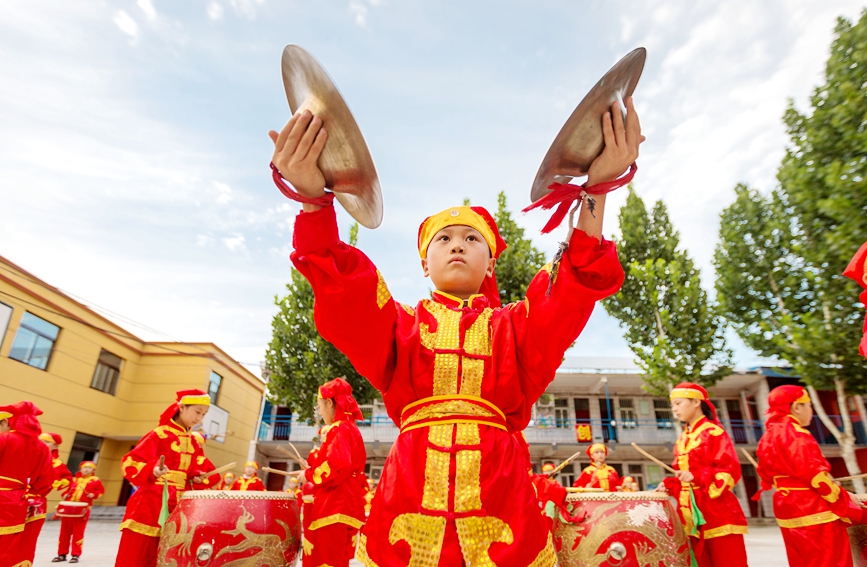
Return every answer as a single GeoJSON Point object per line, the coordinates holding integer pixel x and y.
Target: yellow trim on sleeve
{"type": "Point", "coordinates": [139, 528]}
{"type": "Point", "coordinates": [335, 519]}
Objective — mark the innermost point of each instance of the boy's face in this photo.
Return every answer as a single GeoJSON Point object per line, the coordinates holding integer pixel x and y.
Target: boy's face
{"type": "Point", "coordinates": [686, 410]}
{"type": "Point", "coordinates": [249, 471]}
{"type": "Point", "coordinates": [598, 456]}
{"type": "Point", "coordinates": [191, 416]}
{"type": "Point", "coordinates": [86, 471]}
{"type": "Point", "coordinates": [458, 259]}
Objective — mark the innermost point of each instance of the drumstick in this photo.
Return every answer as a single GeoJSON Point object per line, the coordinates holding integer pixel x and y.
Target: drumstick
{"type": "Point", "coordinates": [219, 470]}
{"type": "Point", "coordinates": [654, 459]}
{"type": "Point", "coordinates": [853, 477]}
{"type": "Point", "coordinates": [290, 455]}
{"type": "Point", "coordinates": [284, 473]}
{"type": "Point", "coordinates": [297, 453]}
{"type": "Point", "coordinates": [750, 458]}
{"type": "Point", "coordinates": [562, 465]}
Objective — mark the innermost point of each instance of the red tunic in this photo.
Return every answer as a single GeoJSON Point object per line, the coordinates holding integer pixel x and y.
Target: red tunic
{"type": "Point", "coordinates": [594, 476]}
{"type": "Point", "coordinates": [807, 500]}
{"type": "Point", "coordinates": [62, 474]}
{"type": "Point", "coordinates": [706, 451]}
{"type": "Point", "coordinates": [254, 483]}
{"type": "Point", "coordinates": [475, 372]}
{"type": "Point", "coordinates": [337, 473]}
{"type": "Point", "coordinates": [185, 460]}
{"type": "Point", "coordinates": [82, 486]}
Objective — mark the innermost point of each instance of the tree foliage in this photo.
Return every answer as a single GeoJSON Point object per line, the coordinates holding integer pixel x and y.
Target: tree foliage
{"type": "Point", "coordinates": [671, 325]}
{"type": "Point", "coordinates": [299, 359]}
{"type": "Point", "coordinates": [520, 262]}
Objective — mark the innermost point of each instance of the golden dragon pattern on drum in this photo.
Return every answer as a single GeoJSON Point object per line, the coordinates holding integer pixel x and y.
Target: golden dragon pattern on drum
{"type": "Point", "coordinates": [271, 548]}
{"type": "Point", "coordinates": [177, 536]}
{"type": "Point", "coordinates": [603, 524]}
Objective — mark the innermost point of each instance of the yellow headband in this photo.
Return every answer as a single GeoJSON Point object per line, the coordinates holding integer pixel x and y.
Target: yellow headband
{"type": "Point", "coordinates": [253, 464]}
{"type": "Point", "coordinates": [195, 401]}
{"type": "Point", "coordinates": [5, 415]}
{"type": "Point", "coordinates": [804, 399]}
{"type": "Point", "coordinates": [686, 393]}
{"type": "Point", "coordinates": [462, 215]}
{"type": "Point", "coordinates": [597, 447]}
{"type": "Point", "coordinates": [45, 437]}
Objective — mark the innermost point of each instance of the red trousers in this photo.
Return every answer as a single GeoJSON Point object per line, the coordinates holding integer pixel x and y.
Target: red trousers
{"type": "Point", "coordinates": [329, 545]}
{"type": "Point", "coordinates": [137, 550]}
{"type": "Point", "coordinates": [724, 551]}
{"type": "Point", "coordinates": [29, 537]}
{"type": "Point", "coordinates": [825, 545]}
{"type": "Point", "coordinates": [72, 529]}
{"type": "Point", "coordinates": [13, 550]}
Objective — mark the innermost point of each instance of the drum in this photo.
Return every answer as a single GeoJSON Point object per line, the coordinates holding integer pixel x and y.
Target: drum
{"type": "Point", "coordinates": [632, 529]}
{"type": "Point", "coordinates": [221, 527]}
{"type": "Point", "coordinates": [67, 509]}
{"type": "Point", "coordinates": [858, 536]}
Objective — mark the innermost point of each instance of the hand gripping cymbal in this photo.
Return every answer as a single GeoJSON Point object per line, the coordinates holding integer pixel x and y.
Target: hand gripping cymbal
{"type": "Point", "coordinates": [345, 161]}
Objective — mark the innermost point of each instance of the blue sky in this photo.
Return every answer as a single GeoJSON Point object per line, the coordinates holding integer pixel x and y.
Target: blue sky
{"type": "Point", "coordinates": [134, 155]}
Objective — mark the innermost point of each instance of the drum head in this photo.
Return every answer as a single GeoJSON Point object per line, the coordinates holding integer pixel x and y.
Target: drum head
{"type": "Point", "coordinates": [345, 162]}
{"type": "Point", "coordinates": [580, 140]}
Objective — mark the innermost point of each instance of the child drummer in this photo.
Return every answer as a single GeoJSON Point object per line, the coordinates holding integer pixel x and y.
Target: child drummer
{"type": "Point", "coordinates": [707, 465]}
{"type": "Point", "coordinates": [85, 487]}
{"type": "Point", "coordinates": [458, 372]}
{"type": "Point", "coordinates": [143, 467]}
{"type": "Point", "coordinates": [250, 479]}
{"type": "Point", "coordinates": [812, 510]}
{"type": "Point", "coordinates": [598, 474]}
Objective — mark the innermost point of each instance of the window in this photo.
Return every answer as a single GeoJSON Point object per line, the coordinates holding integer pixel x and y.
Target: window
{"type": "Point", "coordinates": [84, 448]}
{"type": "Point", "coordinates": [34, 341]}
{"type": "Point", "coordinates": [627, 413]}
{"type": "Point", "coordinates": [5, 316]}
{"type": "Point", "coordinates": [107, 372]}
{"type": "Point", "coordinates": [214, 387]}
{"type": "Point", "coordinates": [664, 417]}
{"type": "Point", "coordinates": [561, 413]}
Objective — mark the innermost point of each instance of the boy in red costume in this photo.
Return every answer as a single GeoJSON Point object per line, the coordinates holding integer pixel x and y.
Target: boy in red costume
{"type": "Point", "coordinates": [458, 372]}
{"type": "Point", "coordinates": [85, 487]}
{"type": "Point", "coordinates": [812, 510]}
{"type": "Point", "coordinates": [227, 481]}
{"type": "Point", "coordinates": [250, 479]}
{"type": "Point", "coordinates": [26, 476]}
{"type": "Point", "coordinates": [62, 474]}
{"type": "Point", "coordinates": [598, 474]}
{"type": "Point", "coordinates": [336, 471]}
{"type": "Point", "coordinates": [707, 466]}
{"type": "Point", "coordinates": [184, 462]}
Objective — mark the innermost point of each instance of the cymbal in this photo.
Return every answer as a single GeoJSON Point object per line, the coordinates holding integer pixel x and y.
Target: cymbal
{"type": "Point", "coordinates": [345, 161]}
{"type": "Point", "coordinates": [580, 140]}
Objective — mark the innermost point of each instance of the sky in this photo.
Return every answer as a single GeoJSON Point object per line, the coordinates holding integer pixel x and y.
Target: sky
{"type": "Point", "coordinates": [134, 150]}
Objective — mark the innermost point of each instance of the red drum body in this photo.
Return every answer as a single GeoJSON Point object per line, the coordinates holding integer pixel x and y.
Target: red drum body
{"type": "Point", "coordinates": [858, 536]}
{"type": "Point", "coordinates": [214, 528]}
{"type": "Point", "coordinates": [66, 509]}
{"type": "Point", "coordinates": [626, 529]}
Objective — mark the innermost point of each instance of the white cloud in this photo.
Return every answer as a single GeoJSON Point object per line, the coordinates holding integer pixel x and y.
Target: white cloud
{"type": "Point", "coordinates": [224, 192]}
{"type": "Point", "coordinates": [148, 8]}
{"type": "Point", "coordinates": [360, 10]}
{"type": "Point", "coordinates": [215, 11]}
{"type": "Point", "coordinates": [246, 8]}
{"type": "Point", "coordinates": [203, 240]}
{"type": "Point", "coordinates": [126, 24]}
{"type": "Point", "coordinates": [235, 243]}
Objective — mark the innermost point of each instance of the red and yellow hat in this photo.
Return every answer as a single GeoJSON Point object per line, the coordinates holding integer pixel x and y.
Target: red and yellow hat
{"type": "Point", "coordinates": [345, 405]}
{"type": "Point", "coordinates": [548, 467]}
{"type": "Point", "coordinates": [253, 464]}
{"type": "Point", "coordinates": [690, 391]}
{"type": "Point", "coordinates": [51, 438]}
{"type": "Point", "coordinates": [781, 398]}
{"type": "Point", "coordinates": [187, 398]}
{"type": "Point", "coordinates": [596, 447]}
{"type": "Point", "coordinates": [83, 464]}
{"type": "Point", "coordinates": [228, 474]}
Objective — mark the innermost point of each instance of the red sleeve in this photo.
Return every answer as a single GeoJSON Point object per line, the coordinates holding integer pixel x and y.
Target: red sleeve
{"type": "Point", "coordinates": [547, 325]}
{"type": "Point", "coordinates": [583, 480]}
{"type": "Point", "coordinates": [96, 488]}
{"type": "Point", "coordinates": [202, 465]}
{"type": "Point", "coordinates": [722, 471]}
{"type": "Point", "coordinates": [138, 465]}
{"type": "Point", "coordinates": [332, 463]}
{"type": "Point", "coordinates": [613, 480]}
{"type": "Point", "coordinates": [347, 287]}
{"type": "Point", "coordinates": [43, 474]}
{"type": "Point", "coordinates": [62, 477]}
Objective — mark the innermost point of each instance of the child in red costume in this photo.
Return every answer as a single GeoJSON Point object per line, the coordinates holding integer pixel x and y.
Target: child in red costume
{"type": "Point", "coordinates": [250, 479]}
{"type": "Point", "coordinates": [85, 487]}
{"type": "Point", "coordinates": [706, 463]}
{"type": "Point", "coordinates": [598, 474]}
{"type": "Point", "coordinates": [26, 476]}
{"type": "Point", "coordinates": [336, 471]}
{"type": "Point", "coordinates": [184, 462]}
{"type": "Point", "coordinates": [459, 373]}
{"type": "Point", "coordinates": [62, 474]}
{"type": "Point", "coordinates": [812, 510]}
{"type": "Point", "coordinates": [227, 481]}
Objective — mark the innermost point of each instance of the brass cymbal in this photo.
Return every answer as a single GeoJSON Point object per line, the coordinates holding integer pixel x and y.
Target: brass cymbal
{"type": "Point", "coordinates": [345, 161]}
{"type": "Point", "coordinates": [580, 140]}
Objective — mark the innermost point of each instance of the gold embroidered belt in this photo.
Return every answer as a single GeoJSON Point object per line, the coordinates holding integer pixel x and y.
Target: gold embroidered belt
{"type": "Point", "coordinates": [786, 484]}
{"type": "Point", "coordinates": [178, 479]}
{"type": "Point", "coordinates": [447, 410]}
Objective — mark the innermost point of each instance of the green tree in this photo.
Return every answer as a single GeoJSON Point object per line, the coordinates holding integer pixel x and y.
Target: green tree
{"type": "Point", "coordinates": [299, 359]}
{"type": "Point", "coordinates": [671, 325]}
{"type": "Point", "coordinates": [780, 258]}
{"type": "Point", "coordinates": [520, 262]}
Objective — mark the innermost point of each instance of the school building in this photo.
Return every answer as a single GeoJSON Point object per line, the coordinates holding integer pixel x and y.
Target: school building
{"type": "Point", "coordinates": [601, 400]}
{"type": "Point", "coordinates": [102, 388]}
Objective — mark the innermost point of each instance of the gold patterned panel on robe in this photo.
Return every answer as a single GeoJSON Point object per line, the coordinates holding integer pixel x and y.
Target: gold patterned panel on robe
{"type": "Point", "coordinates": [476, 535]}
{"type": "Point", "coordinates": [423, 533]}
{"type": "Point", "coordinates": [436, 469]}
